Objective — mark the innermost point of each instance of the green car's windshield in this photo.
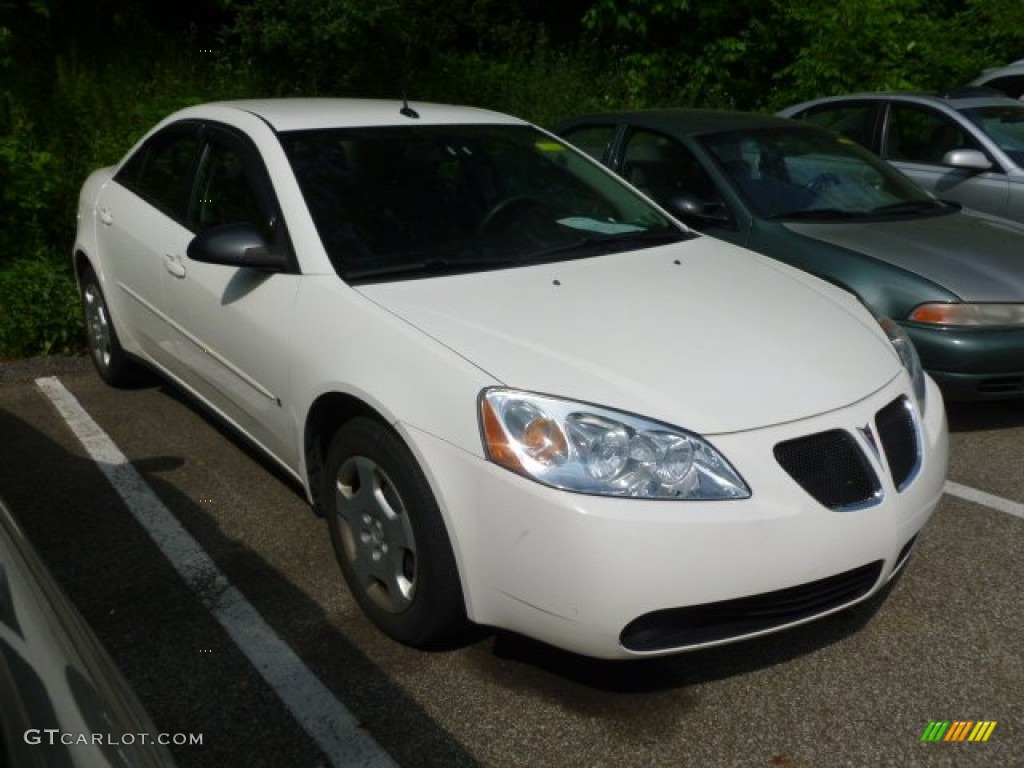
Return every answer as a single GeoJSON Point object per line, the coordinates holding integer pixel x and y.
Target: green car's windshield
{"type": "Point", "coordinates": [1004, 125]}
{"type": "Point", "coordinates": [397, 202]}
{"type": "Point", "coordinates": [802, 173]}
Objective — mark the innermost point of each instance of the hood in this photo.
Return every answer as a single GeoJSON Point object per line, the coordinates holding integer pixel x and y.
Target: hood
{"type": "Point", "coordinates": [702, 334]}
{"type": "Point", "coordinates": [977, 257]}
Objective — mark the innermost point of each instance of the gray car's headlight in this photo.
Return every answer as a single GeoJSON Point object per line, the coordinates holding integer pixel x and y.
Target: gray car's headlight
{"type": "Point", "coordinates": [585, 448]}
{"type": "Point", "coordinates": [908, 355]}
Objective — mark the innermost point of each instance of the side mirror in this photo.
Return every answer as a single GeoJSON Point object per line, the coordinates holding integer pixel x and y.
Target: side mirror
{"type": "Point", "coordinates": [967, 159]}
{"type": "Point", "coordinates": [236, 245]}
{"type": "Point", "coordinates": [697, 213]}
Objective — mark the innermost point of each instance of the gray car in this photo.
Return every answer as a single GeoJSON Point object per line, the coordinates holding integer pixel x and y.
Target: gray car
{"type": "Point", "coordinates": [62, 700]}
{"type": "Point", "coordinates": [1008, 79]}
{"type": "Point", "coordinates": [965, 146]}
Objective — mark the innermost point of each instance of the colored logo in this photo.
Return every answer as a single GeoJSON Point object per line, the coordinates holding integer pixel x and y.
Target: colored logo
{"type": "Point", "coordinates": [958, 730]}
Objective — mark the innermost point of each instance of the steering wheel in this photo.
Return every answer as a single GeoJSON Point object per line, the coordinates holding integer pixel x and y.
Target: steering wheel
{"type": "Point", "coordinates": [821, 182]}
{"type": "Point", "coordinates": [507, 210]}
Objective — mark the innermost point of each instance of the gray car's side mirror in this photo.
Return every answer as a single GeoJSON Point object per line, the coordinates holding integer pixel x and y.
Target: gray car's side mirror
{"type": "Point", "coordinates": [967, 159]}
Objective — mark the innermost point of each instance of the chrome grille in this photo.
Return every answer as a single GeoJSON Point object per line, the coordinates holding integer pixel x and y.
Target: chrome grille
{"type": "Point", "coordinates": [833, 468]}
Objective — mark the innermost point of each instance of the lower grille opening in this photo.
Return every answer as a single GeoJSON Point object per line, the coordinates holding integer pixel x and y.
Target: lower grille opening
{"type": "Point", "coordinates": [695, 625]}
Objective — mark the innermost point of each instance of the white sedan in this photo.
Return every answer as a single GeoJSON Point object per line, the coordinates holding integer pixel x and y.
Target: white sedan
{"type": "Point", "coordinates": [520, 394]}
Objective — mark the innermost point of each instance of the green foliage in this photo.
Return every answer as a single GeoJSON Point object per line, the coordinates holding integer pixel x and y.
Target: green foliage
{"type": "Point", "coordinates": [886, 45]}
{"type": "Point", "coordinates": [636, 19]}
{"type": "Point", "coordinates": [765, 54]}
{"type": "Point", "coordinates": [539, 82]}
{"type": "Point", "coordinates": [987, 33]}
{"type": "Point", "coordinates": [81, 82]}
{"type": "Point", "coordinates": [867, 45]}
{"type": "Point", "coordinates": [64, 111]}
{"type": "Point", "coordinates": [331, 46]}
{"type": "Point", "coordinates": [28, 183]}
{"type": "Point", "coordinates": [39, 308]}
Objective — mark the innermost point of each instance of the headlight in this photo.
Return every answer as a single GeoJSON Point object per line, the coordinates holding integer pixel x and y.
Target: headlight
{"type": "Point", "coordinates": [589, 449]}
{"type": "Point", "coordinates": [908, 355]}
{"type": "Point", "coordinates": [969, 315]}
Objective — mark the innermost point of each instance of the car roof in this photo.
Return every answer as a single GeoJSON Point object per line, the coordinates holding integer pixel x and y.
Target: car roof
{"type": "Point", "coordinates": [294, 114]}
{"type": "Point", "coordinates": [1013, 68]}
{"type": "Point", "coordinates": [958, 98]}
{"type": "Point", "coordinates": [682, 122]}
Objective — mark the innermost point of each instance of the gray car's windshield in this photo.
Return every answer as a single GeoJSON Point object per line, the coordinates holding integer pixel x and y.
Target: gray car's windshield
{"type": "Point", "coordinates": [1004, 125]}
{"type": "Point", "coordinates": [800, 173]}
{"type": "Point", "coordinates": [397, 202]}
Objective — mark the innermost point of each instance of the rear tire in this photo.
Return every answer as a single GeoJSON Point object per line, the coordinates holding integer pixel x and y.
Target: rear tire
{"type": "Point", "coordinates": [111, 361]}
{"type": "Point", "coordinates": [389, 536]}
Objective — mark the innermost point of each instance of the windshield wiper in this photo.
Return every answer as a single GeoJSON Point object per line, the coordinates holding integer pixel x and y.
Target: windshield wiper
{"type": "Point", "coordinates": [426, 267]}
{"type": "Point", "coordinates": [913, 206]}
{"type": "Point", "coordinates": [587, 246]}
{"type": "Point", "coordinates": [818, 213]}
{"type": "Point", "coordinates": [453, 265]}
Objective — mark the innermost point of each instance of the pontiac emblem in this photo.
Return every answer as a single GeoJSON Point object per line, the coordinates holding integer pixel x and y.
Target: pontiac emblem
{"type": "Point", "coordinates": [869, 438]}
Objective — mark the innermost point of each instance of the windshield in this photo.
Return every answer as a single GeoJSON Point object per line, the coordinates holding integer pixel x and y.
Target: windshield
{"type": "Point", "coordinates": [799, 172]}
{"type": "Point", "coordinates": [398, 202]}
{"type": "Point", "coordinates": [1004, 125]}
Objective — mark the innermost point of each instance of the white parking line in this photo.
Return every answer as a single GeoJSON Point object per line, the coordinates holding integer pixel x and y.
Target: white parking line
{"type": "Point", "coordinates": [317, 710]}
{"type": "Point", "coordinates": [986, 499]}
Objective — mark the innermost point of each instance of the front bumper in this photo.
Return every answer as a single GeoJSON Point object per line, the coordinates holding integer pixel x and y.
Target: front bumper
{"type": "Point", "coordinates": [576, 571]}
{"type": "Point", "coordinates": [972, 363]}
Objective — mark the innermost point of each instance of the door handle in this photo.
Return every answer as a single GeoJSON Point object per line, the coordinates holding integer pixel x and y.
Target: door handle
{"type": "Point", "coordinates": [174, 265]}
{"type": "Point", "coordinates": [106, 216]}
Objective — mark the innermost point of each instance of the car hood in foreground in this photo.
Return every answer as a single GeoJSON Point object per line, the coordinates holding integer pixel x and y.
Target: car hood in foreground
{"type": "Point", "coordinates": [701, 335]}
{"type": "Point", "coordinates": [977, 257]}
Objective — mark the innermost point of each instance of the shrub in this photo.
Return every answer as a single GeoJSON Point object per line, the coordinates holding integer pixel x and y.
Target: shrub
{"type": "Point", "coordinates": [39, 308]}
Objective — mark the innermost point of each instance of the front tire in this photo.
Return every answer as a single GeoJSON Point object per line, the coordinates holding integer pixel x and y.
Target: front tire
{"type": "Point", "coordinates": [389, 536]}
{"type": "Point", "coordinates": [111, 361]}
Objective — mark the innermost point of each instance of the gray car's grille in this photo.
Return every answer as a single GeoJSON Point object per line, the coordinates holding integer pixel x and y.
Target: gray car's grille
{"type": "Point", "coordinates": [832, 467]}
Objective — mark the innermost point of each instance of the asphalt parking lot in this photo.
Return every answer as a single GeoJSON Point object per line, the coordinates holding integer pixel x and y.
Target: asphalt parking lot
{"type": "Point", "coordinates": [299, 678]}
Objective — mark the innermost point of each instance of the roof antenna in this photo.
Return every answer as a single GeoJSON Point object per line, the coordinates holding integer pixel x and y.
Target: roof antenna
{"type": "Point", "coordinates": [406, 110]}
